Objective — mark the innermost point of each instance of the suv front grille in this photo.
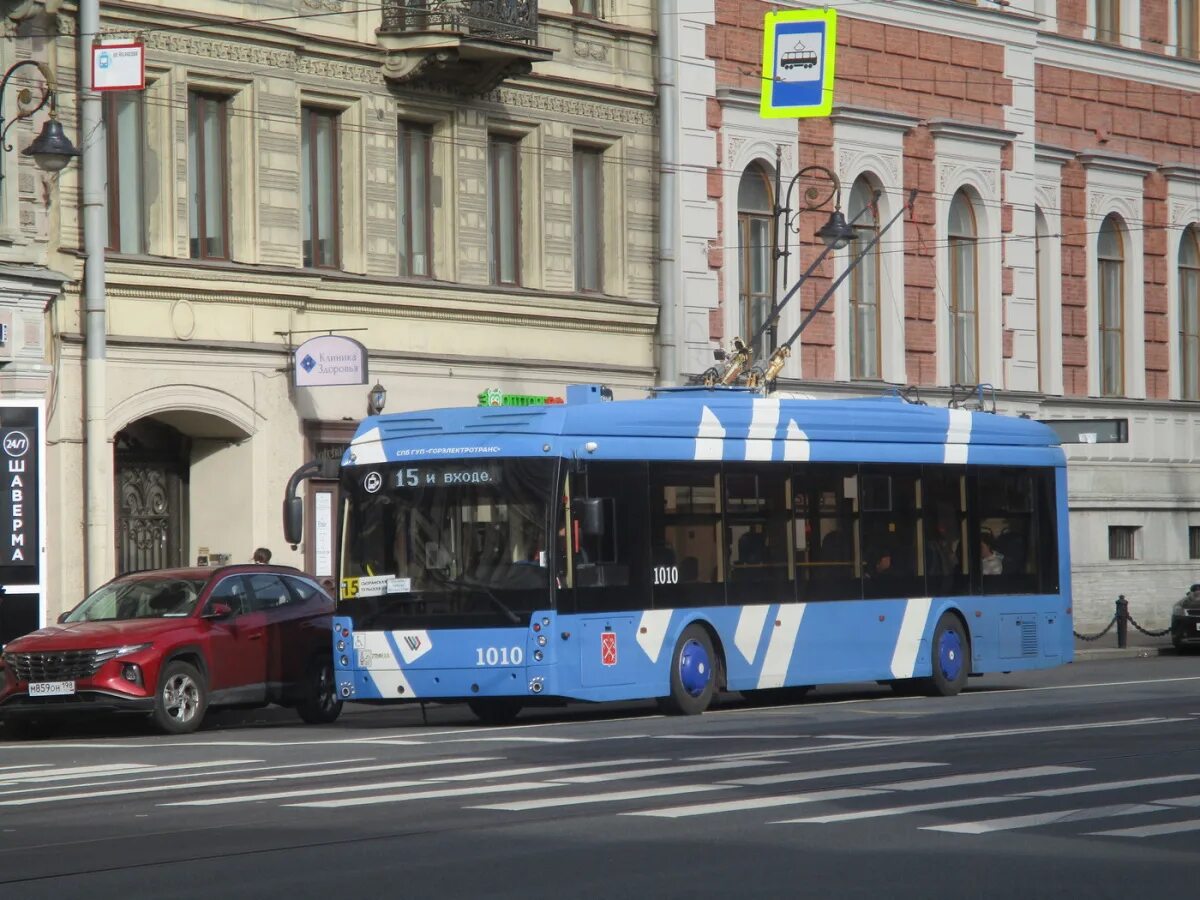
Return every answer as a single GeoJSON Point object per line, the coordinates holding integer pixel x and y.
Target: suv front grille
{"type": "Point", "coordinates": [63, 665]}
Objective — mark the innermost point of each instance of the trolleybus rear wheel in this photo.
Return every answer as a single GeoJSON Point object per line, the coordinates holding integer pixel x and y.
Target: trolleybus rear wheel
{"type": "Point", "coordinates": [693, 671]}
{"type": "Point", "coordinates": [951, 652]}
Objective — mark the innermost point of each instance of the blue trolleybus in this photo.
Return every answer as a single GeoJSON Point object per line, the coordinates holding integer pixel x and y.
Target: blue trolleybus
{"type": "Point", "coordinates": [695, 541]}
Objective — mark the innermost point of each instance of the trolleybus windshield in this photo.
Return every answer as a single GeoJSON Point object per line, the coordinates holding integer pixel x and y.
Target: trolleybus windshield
{"type": "Point", "coordinates": [447, 543]}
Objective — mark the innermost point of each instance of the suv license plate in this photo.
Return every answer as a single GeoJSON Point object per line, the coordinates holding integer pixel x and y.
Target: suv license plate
{"type": "Point", "coordinates": [51, 688]}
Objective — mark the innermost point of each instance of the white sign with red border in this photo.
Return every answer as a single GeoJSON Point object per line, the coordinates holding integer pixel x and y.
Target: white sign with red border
{"type": "Point", "coordinates": [119, 67]}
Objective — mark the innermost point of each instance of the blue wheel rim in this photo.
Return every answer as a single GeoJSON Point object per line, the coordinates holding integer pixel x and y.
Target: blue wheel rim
{"type": "Point", "coordinates": [695, 669]}
{"type": "Point", "coordinates": [950, 654]}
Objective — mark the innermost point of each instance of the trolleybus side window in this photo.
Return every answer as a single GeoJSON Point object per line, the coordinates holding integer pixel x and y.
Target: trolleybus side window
{"type": "Point", "coordinates": [756, 541]}
{"type": "Point", "coordinates": [1014, 531]}
{"type": "Point", "coordinates": [946, 550]}
{"type": "Point", "coordinates": [888, 501]}
{"type": "Point", "coordinates": [685, 520]}
{"type": "Point", "coordinates": [825, 536]}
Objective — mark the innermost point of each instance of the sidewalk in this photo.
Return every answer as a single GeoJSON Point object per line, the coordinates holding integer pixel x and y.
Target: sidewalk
{"type": "Point", "coordinates": [1136, 645]}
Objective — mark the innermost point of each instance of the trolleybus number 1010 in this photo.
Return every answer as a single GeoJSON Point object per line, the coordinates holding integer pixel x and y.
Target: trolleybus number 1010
{"type": "Point", "coordinates": [666, 575]}
{"type": "Point", "coordinates": [499, 656]}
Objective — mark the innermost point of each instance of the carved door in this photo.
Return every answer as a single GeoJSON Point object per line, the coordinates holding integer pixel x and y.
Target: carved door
{"type": "Point", "coordinates": [151, 488]}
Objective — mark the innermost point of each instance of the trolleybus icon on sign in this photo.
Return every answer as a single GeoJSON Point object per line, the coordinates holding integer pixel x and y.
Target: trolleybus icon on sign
{"type": "Point", "coordinates": [797, 61]}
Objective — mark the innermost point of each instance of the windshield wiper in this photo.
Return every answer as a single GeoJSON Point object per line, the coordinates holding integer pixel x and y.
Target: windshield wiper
{"type": "Point", "coordinates": [472, 584]}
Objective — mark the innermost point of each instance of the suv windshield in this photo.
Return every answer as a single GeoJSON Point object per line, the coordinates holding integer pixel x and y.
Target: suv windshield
{"type": "Point", "coordinates": [447, 543]}
{"type": "Point", "coordinates": [139, 598]}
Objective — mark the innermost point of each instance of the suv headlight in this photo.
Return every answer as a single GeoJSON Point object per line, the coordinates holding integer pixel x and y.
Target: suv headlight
{"type": "Point", "coordinates": [124, 650]}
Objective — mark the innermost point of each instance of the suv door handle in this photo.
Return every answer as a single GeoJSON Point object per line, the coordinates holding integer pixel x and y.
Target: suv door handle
{"type": "Point", "coordinates": [254, 636]}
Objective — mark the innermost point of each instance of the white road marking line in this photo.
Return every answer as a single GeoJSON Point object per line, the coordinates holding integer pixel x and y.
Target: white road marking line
{"type": "Point", "coordinates": [907, 740]}
{"type": "Point", "coordinates": [512, 739]}
{"type": "Point", "coordinates": [428, 795]}
{"type": "Point", "coordinates": [705, 809]}
{"type": "Point", "coordinates": [665, 770]}
{"type": "Point", "coordinates": [832, 773]}
{"type": "Point", "coordinates": [981, 778]}
{"type": "Point", "coordinates": [611, 797]}
{"type": "Point", "coordinates": [222, 782]}
{"type": "Point", "coordinates": [307, 792]}
{"type": "Point", "coordinates": [1012, 823]}
{"type": "Point", "coordinates": [1111, 785]}
{"type": "Point", "coordinates": [133, 769]}
{"type": "Point", "coordinates": [539, 770]}
{"type": "Point", "coordinates": [144, 779]}
{"type": "Point", "coordinates": [885, 811]}
{"type": "Point", "coordinates": [1151, 830]}
{"type": "Point", "coordinates": [42, 766]}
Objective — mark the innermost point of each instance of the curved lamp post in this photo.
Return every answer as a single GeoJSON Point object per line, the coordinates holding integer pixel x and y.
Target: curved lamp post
{"type": "Point", "coordinates": [52, 150]}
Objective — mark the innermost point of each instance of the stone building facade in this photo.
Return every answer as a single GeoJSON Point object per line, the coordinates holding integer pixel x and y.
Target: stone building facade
{"type": "Point", "coordinates": [1051, 252]}
{"type": "Point", "coordinates": [469, 193]}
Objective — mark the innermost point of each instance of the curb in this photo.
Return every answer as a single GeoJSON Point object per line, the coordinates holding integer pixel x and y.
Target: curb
{"type": "Point", "coordinates": [1136, 652]}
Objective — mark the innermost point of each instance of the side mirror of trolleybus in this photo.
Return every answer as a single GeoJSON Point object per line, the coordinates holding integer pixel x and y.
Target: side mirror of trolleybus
{"type": "Point", "coordinates": [591, 516]}
{"type": "Point", "coordinates": [293, 519]}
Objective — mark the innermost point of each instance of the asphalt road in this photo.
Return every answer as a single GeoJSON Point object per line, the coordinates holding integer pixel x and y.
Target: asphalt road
{"type": "Point", "coordinates": [1081, 781]}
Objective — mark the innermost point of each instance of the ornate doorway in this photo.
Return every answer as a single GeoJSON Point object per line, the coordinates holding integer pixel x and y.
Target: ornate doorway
{"type": "Point", "coordinates": [151, 468]}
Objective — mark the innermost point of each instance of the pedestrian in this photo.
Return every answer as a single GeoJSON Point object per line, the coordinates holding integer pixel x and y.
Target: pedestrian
{"type": "Point", "coordinates": [262, 556]}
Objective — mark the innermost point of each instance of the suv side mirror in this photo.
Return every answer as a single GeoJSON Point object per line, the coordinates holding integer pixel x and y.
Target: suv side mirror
{"type": "Point", "coordinates": [218, 611]}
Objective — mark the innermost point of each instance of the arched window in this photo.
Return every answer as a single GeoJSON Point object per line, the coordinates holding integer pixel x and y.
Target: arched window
{"type": "Point", "coordinates": [756, 263]}
{"type": "Point", "coordinates": [964, 291]}
{"type": "Point", "coordinates": [1111, 252]}
{"type": "Point", "coordinates": [1041, 264]}
{"type": "Point", "coordinates": [1189, 313]}
{"type": "Point", "coordinates": [864, 284]}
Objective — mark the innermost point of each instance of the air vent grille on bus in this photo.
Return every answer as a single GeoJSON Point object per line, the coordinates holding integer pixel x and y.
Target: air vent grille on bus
{"type": "Point", "coordinates": [1029, 638]}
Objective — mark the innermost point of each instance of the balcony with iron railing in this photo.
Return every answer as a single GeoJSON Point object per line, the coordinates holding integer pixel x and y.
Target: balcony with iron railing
{"type": "Point", "coordinates": [470, 45]}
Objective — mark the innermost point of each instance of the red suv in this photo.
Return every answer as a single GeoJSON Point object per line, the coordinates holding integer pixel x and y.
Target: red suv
{"type": "Point", "coordinates": [173, 642]}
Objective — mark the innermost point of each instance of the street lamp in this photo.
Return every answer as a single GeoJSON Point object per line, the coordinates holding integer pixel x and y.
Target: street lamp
{"type": "Point", "coordinates": [376, 399]}
{"type": "Point", "coordinates": [835, 234]}
{"type": "Point", "coordinates": [52, 150]}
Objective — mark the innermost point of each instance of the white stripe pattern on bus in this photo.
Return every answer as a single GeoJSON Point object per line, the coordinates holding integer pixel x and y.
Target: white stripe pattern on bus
{"type": "Point", "coordinates": [764, 422]}
{"type": "Point", "coordinates": [367, 448]}
{"type": "Point", "coordinates": [651, 631]}
{"type": "Point", "coordinates": [748, 635]}
{"type": "Point", "coordinates": [710, 436]}
{"type": "Point", "coordinates": [389, 681]}
{"type": "Point", "coordinates": [796, 447]}
{"type": "Point", "coordinates": [908, 642]}
{"type": "Point", "coordinates": [779, 649]}
{"type": "Point", "coordinates": [958, 437]}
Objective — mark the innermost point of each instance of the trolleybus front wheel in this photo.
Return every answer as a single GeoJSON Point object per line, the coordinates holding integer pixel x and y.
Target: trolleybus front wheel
{"type": "Point", "coordinates": [693, 671]}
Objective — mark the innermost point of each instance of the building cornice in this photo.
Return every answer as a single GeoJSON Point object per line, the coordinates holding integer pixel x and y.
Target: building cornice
{"type": "Point", "coordinates": [970, 131]}
{"type": "Point", "coordinates": [1189, 175]}
{"type": "Point", "coordinates": [1115, 162]}
{"type": "Point", "coordinates": [1051, 153]}
{"type": "Point", "coordinates": [869, 117]}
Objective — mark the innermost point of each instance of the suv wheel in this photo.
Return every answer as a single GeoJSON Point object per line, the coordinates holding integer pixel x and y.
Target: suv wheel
{"type": "Point", "coordinates": [182, 699]}
{"type": "Point", "coordinates": [318, 704]}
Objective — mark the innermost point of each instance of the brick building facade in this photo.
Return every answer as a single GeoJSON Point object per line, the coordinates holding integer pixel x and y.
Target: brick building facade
{"type": "Point", "coordinates": [1051, 251]}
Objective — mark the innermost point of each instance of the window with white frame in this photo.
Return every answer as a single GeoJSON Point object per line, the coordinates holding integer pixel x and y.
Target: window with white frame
{"type": "Point", "coordinates": [1041, 269]}
{"type": "Point", "coordinates": [756, 247]}
{"type": "Point", "coordinates": [319, 187]}
{"type": "Point", "coordinates": [587, 201]}
{"type": "Point", "coordinates": [414, 174]}
{"type": "Point", "coordinates": [864, 283]}
{"type": "Point", "coordinates": [504, 209]}
{"type": "Point", "coordinates": [963, 239]}
{"type": "Point", "coordinates": [1108, 21]}
{"type": "Point", "coordinates": [125, 131]}
{"type": "Point", "coordinates": [1111, 282]}
{"type": "Point", "coordinates": [1189, 313]}
{"type": "Point", "coordinates": [1187, 28]}
{"type": "Point", "coordinates": [208, 175]}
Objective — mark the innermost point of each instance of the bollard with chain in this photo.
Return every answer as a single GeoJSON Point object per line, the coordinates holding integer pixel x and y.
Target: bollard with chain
{"type": "Point", "coordinates": [1122, 621]}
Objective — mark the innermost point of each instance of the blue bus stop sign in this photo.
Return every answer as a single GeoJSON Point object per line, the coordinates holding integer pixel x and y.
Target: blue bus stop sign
{"type": "Point", "coordinates": [798, 56]}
